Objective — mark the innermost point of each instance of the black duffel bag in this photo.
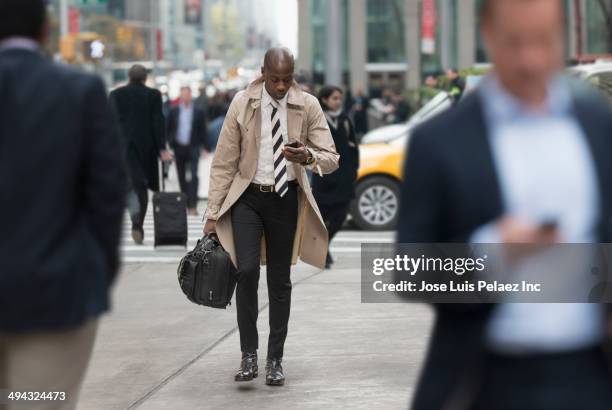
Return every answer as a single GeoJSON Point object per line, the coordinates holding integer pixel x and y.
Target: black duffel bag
{"type": "Point", "coordinates": [207, 275]}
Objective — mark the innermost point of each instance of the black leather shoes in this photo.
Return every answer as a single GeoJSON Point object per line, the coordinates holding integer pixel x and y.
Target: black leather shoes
{"type": "Point", "coordinates": [274, 372]}
{"type": "Point", "coordinates": [248, 368]}
{"type": "Point", "coordinates": [329, 261]}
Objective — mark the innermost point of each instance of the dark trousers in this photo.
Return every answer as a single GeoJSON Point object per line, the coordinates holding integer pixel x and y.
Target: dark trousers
{"type": "Point", "coordinates": [187, 161]}
{"type": "Point", "coordinates": [257, 213]}
{"type": "Point", "coordinates": [138, 196]}
{"type": "Point", "coordinates": [576, 380]}
{"type": "Point", "coordinates": [334, 216]}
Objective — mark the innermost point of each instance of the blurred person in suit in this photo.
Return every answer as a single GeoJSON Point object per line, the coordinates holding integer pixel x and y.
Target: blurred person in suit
{"type": "Point", "coordinates": [187, 137]}
{"type": "Point", "coordinates": [60, 211]}
{"type": "Point", "coordinates": [456, 84]}
{"type": "Point", "coordinates": [142, 125]}
{"type": "Point", "coordinates": [359, 110]}
{"type": "Point", "coordinates": [202, 101]}
{"type": "Point", "coordinates": [521, 149]}
{"type": "Point", "coordinates": [334, 192]}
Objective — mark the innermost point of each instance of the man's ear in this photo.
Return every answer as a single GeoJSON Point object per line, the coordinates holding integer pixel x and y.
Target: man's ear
{"type": "Point", "coordinates": [263, 70]}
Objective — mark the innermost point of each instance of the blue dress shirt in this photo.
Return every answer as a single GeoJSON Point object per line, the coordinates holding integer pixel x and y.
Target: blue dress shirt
{"type": "Point", "coordinates": [545, 170]}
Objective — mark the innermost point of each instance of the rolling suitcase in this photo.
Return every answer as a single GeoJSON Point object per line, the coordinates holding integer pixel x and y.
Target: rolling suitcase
{"type": "Point", "coordinates": [169, 217]}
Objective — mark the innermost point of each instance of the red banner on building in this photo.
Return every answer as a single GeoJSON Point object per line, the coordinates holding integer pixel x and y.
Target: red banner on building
{"type": "Point", "coordinates": [74, 20]}
{"type": "Point", "coordinates": [193, 11]}
{"type": "Point", "coordinates": [428, 27]}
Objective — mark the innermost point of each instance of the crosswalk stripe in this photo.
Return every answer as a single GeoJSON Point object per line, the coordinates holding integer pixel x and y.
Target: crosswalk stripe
{"type": "Point", "coordinates": [193, 239]}
{"type": "Point", "coordinates": [148, 248]}
{"type": "Point", "coordinates": [346, 242]}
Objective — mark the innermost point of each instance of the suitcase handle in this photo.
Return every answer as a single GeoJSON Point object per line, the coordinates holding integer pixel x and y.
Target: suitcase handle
{"type": "Point", "coordinates": [162, 178]}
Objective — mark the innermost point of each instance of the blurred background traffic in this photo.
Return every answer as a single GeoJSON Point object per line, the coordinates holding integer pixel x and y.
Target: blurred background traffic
{"type": "Point", "coordinates": [399, 61]}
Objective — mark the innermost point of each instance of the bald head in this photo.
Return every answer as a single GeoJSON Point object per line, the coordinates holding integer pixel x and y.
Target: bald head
{"type": "Point", "coordinates": [279, 56]}
{"type": "Point", "coordinates": [277, 71]}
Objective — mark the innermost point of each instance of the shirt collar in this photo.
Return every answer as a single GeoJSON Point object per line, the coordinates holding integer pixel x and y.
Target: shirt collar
{"type": "Point", "coordinates": [22, 43]}
{"type": "Point", "coordinates": [501, 105]}
{"type": "Point", "coordinates": [266, 99]}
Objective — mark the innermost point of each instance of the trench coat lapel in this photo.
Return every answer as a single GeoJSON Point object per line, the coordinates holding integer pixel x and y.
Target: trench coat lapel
{"type": "Point", "coordinates": [254, 125]}
{"type": "Point", "coordinates": [311, 239]}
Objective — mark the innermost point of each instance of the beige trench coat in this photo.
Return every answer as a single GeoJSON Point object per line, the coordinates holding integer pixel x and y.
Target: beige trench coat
{"type": "Point", "coordinates": [235, 164]}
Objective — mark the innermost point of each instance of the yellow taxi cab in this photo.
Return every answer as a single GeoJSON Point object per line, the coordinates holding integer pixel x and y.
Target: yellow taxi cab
{"type": "Point", "coordinates": [382, 153]}
{"type": "Point", "coordinates": [376, 203]}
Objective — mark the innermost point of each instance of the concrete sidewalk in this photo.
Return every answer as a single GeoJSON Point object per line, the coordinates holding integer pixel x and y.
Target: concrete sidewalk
{"type": "Point", "coordinates": [158, 351]}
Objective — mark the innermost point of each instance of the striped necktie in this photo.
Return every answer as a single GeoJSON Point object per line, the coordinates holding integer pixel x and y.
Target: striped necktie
{"type": "Point", "coordinates": [280, 164]}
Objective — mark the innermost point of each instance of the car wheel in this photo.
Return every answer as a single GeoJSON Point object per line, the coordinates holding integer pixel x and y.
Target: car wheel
{"type": "Point", "coordinates": [376, 204]}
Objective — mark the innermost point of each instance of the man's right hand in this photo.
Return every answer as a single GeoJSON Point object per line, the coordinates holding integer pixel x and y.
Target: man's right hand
{"type": "Point", "coordinates": [515, 231]}
{"type": "Point", "coordinates": [166, 156]}
{"type": "Point", "coordinates": [518, 231]}
{"type": "Point", "coordinates": [210, 227]}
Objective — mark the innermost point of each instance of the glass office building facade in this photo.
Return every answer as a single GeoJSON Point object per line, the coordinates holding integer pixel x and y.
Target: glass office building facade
{"type": "Point", "coordinates": [386, 40]}
{"type": "Point", "coordinates": [392, 30]}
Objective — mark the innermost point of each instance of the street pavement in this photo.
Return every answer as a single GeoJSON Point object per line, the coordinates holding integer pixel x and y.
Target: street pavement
{"type": "Point", "coordinates": [156, 350]}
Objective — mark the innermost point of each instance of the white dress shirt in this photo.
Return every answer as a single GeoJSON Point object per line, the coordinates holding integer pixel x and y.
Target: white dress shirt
{"type": "Point", "coordinates": [545, 170]}
{"type": "Point", "coordinates": [23, 43]}
{"type": "Point", "coordinates": [265, 163]}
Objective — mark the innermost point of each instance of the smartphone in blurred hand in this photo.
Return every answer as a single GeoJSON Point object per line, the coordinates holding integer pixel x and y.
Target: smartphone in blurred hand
{"type": "Point", "coordinates": [294, 144]}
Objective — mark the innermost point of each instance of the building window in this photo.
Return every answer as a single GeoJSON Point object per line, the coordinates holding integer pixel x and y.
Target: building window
{"type": "Point", "coordinates": [319, 34]}
{"type": "Point", "coordinates": [386, 31]}
{"type": "Point", "coordinates": [597, 32]}
{"type": "Point", "coordinates": [481, 52]}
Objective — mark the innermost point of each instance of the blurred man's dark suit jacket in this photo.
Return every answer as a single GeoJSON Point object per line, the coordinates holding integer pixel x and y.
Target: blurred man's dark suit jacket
{"type": "Point", "coordinates": [140, 113]}
{"type": "Point", "coordinates": [199, 131]}
{"type": "Point", "coordinates": [450, 190]}
{"type": "Point", "coordinates": [61, 194]}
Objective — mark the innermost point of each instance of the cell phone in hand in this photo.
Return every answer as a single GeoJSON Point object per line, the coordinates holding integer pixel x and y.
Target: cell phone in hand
{"type": "Point", "coordinates": [549, 224]}
{"type": "Point", "coordinates": [294, 144]}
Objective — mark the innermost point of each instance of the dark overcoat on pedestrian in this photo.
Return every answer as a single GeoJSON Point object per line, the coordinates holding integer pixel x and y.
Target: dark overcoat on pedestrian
{"type": "Point", "coordinates": [62, 185]}
{"type": "Point", "coordinates": [339, 186]}
{"type": "Point", "coordinates": [141, 120]}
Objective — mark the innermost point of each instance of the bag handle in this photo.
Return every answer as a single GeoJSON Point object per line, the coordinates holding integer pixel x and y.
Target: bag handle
{"type": "Point", "coordinates": [162, 178]}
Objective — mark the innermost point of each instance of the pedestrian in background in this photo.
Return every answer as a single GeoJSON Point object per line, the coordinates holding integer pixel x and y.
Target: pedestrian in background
{"type": "Point", "coordinates": [202, 100]}
{"type": "Point", "coordinates": [524, 159]}
{"type": "Point", "coordinates": [334, 192]}
{"type": "Point", "coordinates": [456, 84]}
{"type": "Point", "coordinates": [217, 110]}
{"type": "Point", "coordinates": [429, 90]}
{"type": "Point", "coordinates": [141, 120]}
{"type": "Point", "coordinates": [402, 109]}
{"type": "Point", "coordinates": [61, 208]}
{"type": "Point", "coordinates": [187, 137]}
{"type": "Point", "coordinates": [359, 111]}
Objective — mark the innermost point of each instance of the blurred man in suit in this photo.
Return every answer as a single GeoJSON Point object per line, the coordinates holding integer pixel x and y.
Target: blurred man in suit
{"type": "Point", "coordinates": [187, 137]}
{"type": "Point", "coordinates": [520, 150]}
{"type": "Point", "coordinates": [141, 118]}
{"type": "Point", "coordinates": [63, 187]}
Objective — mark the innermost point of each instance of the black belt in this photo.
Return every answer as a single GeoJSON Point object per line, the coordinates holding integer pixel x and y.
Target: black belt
{"type": "Point", "coordinates": [270, 188]}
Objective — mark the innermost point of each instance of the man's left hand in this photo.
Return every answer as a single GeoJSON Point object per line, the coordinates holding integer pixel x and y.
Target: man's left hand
{"type": "Point", "coordinates": [298, 155]}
